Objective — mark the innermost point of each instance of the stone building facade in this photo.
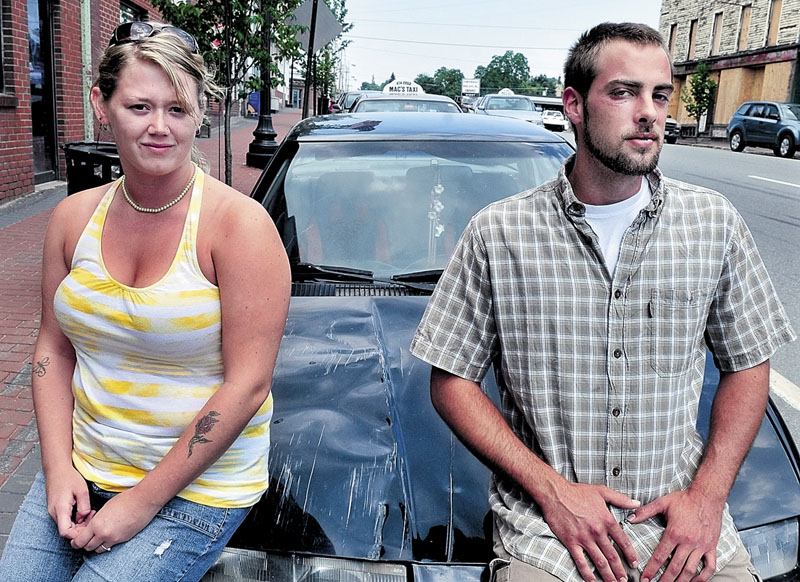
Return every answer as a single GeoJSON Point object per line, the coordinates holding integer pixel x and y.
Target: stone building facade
{"type": "Point", "coordinates": [751, 46]}
{"type": "Point", "coordinates": [48, 54]}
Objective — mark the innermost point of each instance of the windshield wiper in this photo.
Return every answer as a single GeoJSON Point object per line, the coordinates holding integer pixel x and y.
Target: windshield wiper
{"type": "Point", "coordinates": [427, 276]}
{"type": "Point", "coordinates": [310, 270]}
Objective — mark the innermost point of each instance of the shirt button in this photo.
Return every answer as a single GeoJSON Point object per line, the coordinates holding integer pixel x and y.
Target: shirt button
{"type": "Point", "coordinates": [617, 294]}
{"type": "Point", "coordinates": [616, 471]}
{"type": "Point", "coordinates": [618, 353]}
{"type": "Point", "coordinates": [616, 412]}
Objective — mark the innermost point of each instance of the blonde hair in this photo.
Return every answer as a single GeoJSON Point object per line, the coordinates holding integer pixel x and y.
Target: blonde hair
{"type": "Point", "coordinates": [171, 54]}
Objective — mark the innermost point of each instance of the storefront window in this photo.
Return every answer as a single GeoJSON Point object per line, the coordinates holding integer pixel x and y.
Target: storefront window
{"type": "Point", "coordinates": [3, 66]}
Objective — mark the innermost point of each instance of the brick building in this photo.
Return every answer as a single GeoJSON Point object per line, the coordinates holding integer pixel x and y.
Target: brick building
{"type": "Point", "coordinates": [751, 46]}
{"type": "Point", "coordinates": [48, 52]}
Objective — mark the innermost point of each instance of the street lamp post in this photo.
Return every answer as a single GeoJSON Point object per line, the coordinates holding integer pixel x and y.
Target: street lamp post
{"type": "Point", "coordinates": [264, 145]}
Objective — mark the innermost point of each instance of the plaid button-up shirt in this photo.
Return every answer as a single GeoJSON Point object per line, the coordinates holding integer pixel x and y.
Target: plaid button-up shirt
{"type": "Point", "coordinates": [598, 375]}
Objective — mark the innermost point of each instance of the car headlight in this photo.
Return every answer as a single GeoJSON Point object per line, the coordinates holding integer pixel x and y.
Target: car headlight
{"type": "Point", "coordinates": [773, 548]}
{"type": "Point", "coordinates": [235, 565]}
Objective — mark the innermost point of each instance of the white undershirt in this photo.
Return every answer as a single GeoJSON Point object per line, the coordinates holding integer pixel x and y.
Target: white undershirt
{"type": "Point", "coordinates": [610, 221]}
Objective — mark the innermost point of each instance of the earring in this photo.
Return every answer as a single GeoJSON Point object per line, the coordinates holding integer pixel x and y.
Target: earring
{"type": "Point", "coordinates": [104, 127]}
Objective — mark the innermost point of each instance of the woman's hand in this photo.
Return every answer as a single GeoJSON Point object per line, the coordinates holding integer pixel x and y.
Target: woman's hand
{"type": "Point", "coordinates": [68, 501]}
{"type": "Point", "coordinates": [122, 517]}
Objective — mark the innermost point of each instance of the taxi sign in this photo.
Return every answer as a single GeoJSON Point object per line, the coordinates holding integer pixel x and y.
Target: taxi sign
{"type": "Point", "coordinates": [402, 88]}
{"type": "Point", "coordinates": [505, 91]}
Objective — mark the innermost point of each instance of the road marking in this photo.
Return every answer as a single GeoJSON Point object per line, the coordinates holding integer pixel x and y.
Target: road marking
{"type": "Point", "coordinates": [775, 181]}
{"type": "Point", "coordinates": [784, 388]}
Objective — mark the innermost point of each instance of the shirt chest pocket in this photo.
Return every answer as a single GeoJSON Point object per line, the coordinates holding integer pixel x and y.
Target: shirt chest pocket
{"type": "Point", "coordinates": [677, 322]}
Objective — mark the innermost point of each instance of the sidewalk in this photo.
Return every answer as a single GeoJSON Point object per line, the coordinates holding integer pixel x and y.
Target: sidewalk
{"type": "Point", "coordinates": [22, 226]}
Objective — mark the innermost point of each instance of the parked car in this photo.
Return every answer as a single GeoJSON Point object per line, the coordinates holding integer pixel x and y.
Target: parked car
{"type": "Point", "coordinates": [347, 99]}
{"type": "Point", "coordinates": [554, 120]}
{"type": "Point", "coordinates": [368, 484]}
{"type": "Point", "coordinates": [672, 130]}
{"type": "Point", "coordinates": [510, 105]}
{"type": "Point", "coordinates": [425, 103]}
{"type": "Point", "coordinates": [468, 103]}
{"type": "Point", "coordinates": [766, 124]}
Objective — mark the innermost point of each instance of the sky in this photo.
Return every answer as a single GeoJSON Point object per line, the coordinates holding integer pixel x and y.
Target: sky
{"type": "Point", "coordinates": [410, 37]}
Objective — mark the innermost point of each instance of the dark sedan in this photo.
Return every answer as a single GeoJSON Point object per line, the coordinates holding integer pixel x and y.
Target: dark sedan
{"type": "Point", "coordinates": [367, 483]}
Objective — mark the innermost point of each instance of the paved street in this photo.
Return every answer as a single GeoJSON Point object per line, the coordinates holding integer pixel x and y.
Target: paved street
{"type": "Point", "coordinates": [22, 227]}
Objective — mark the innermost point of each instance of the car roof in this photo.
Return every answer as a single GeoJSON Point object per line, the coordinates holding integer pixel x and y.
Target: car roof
{"type": "Point", "coordinates": [407, 96]}
{"type": "Point", "coordinates": [760, 102]}
{"type": "Point", "coordinates": [431, 126]}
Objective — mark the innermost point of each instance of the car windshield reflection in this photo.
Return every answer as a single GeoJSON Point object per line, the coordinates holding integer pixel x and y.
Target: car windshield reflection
{"type": "Point", "coordinates": [399, 207]}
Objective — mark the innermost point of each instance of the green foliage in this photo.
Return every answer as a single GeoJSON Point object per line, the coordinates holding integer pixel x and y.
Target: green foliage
{"type": "Point", "coordinates": [444, 82]}
{"type": "Point", "coordinates": [698, 96]}
{"type": "Point", "coordinates": [543, 85]}
{"type": "Point", "coordinates": [370, 85]}
{"type": "Point", "coordinates": [510, 71]}
{"type": "Point", "coordinates": [240, 43]}
{"type": "Point", "coordinates": [326, 60]}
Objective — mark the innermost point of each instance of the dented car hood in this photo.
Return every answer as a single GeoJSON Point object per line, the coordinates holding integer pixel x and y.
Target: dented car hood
{"type": "Point", "coordinates": [362, 466]}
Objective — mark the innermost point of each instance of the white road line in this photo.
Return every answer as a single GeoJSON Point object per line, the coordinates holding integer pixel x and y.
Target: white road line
{"type": "Point", "coordinates": [775, 181]}
{"type": "Point", "coordinates": [784, 388]}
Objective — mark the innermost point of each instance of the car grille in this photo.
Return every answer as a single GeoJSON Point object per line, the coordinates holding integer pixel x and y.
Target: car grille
{"type": "Point", "coordinates": [349, 290]}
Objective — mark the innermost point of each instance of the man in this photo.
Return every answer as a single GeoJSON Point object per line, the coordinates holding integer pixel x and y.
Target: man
{"type": "Point", "coordinates": [594, 296]}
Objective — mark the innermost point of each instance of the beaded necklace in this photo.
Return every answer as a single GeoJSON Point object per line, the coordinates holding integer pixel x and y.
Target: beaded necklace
{"type": "Point", "coordinates": [160, 208]}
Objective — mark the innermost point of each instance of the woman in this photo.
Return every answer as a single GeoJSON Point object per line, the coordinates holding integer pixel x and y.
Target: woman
{"type": "Point", "coordinates": [164, 301]}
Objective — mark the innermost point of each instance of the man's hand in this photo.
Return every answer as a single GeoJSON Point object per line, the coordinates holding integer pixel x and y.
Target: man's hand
{"type": "Point", "coordinates": [579, 516]}
{"type": "Point", "coordinates": [691, 536]}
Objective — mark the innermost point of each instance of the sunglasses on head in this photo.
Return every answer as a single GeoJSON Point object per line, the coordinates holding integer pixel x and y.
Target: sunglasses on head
{"type": "Point", "coordinates": [136, 31]}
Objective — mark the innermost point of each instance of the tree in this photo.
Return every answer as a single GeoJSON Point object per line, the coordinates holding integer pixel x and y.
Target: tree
{"type": "Point", "coordinates": [428, 83]}
{"type": "Point", "coordinates": [507, 71]}
{"type": "Point", "coordinates": [370, 85]}
{"type": "Point", "coordinates": [444, 82]}
{"type": "Point", "coordinates": [543, 85]}
{"type": "Point", "coordinates": [227, 32]}
{"type": "Point", "coordinates": [449, 81]}
{"type": "Point", "coordinates": [698, 96]}
{"type": "Point", "coordinates": [387, 81]}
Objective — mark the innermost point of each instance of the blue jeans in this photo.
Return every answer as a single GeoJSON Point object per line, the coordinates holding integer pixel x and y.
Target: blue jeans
{"type": "Point", "coordinates": [180, 544]}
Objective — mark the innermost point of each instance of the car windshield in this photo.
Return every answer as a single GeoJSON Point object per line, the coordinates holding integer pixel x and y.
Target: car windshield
{"type": "Point", "coordinates": [509, 103]}
{"type": "Point", "coordinates": [401, 105]}
{"type": "Point", "coordinates": [792, 111]}
{"type": "Point", "coordinates": [393, 208]}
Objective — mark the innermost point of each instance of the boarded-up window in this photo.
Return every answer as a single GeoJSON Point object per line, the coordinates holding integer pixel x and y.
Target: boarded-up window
{"type": "Point", "coordinates": [774, 21]}
{"type": "Point", "coordinates": [692, 38]}
{"type": "Point", "coordinates": [673, 32]}
{"type": "Point", "coordinates": [716, 33]}
{"type": "Point", "coordinates": [744, 27]}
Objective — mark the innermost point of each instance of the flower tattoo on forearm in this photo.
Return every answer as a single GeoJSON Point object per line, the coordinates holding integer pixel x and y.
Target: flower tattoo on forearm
{"type": "Point", "coordinates": [202, 428]}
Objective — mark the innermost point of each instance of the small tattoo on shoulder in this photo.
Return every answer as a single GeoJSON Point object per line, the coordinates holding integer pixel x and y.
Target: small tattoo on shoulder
{"type": "Point", "coordinates": [40, 367]}
{"type": "Point", "coordinates": [202, 428]}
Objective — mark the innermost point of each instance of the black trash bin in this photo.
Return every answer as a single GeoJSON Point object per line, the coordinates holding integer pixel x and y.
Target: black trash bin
{"type": "Point", "coordinates": [90, 164]}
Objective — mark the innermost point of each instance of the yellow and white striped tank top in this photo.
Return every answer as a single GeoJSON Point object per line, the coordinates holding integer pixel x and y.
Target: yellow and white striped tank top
{"type": "Point", "coordinates": [148, 359]}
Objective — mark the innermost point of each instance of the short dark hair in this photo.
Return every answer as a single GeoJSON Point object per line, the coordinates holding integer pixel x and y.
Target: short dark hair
{"type": "Point", "coordinates": [580, 68]}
